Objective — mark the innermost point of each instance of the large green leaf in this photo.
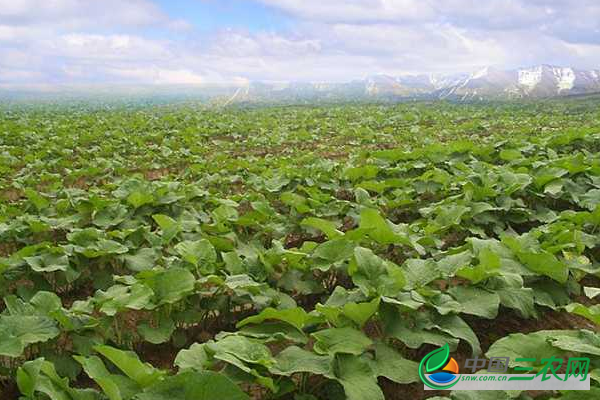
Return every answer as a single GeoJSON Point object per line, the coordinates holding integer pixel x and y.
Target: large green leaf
{"type": "Point", "coordinates": [341, 340]}
{"type": "Point", "coordinates": [334, 250]}
{"type": "Point", "coordinates": [160, 333]}
{"type": "Point", "coordinates": [476, 301]}
{"type": "Point", "coordinates": [197, 252]}
{"type": "Point", "coordinates": [170, 228]}
{"type": "Point", "coordinates": [545, 263]}
{"type": "Point", "coordinates": [357, 378]}
{"type": "Point", "coordinates": [536, 345]}
{"type": "Point", "coordinates": [128, 362]}
{"type": "Point", "coordinates": [119, 297]}
{"type": "Point", "coordinates": [584, 341]}
{"type": "Point", "coordinates": [246, 354]}
{"type": "Point", "coordinates": [195, 357]}
{"type": "Point", "coordinates": [53, 259]}
{"type": "Point", "coordinates": [378, 228]}
{"type": "Point", "coordinates": [274, 331]}
{"type": "Point", "coordinates": [40, 376]}
{"type": "Point", "coordinates": [192, 385]}
{"type": "Point", "coordinates": [360, 313]}
{"type": "Point", "coordinates": [170, 285]}
{"type": "Point", "coordinates": [375, 276]}
{"type": "Point", "coordinates": [39, 201]}
{"type": "Point", "coordinates": [489, 265]}
{"type": "Point", "coordinates": [139, 198]}
{"type": "Point", "coordinates": [298, 202]}
{"type": "Point", "coordinates": [415, 336]}
{"type": "Point", "coordinates": [521, 299]}
{"type": "Point", "coordinates": [456, 327]}
{"type": "Point", "coordinates": [95, 369]}
{"type": "Point", "coordinates": [246, 349]}
{"type": "Point", "coordinates": [389, 363]}
{"type": "Point", "coordinates": [294, 359]}
{"type": "Point", "coordinates": [419, 272]}
{"type": "Point", "coordinates": [327, 227]}
{"type": "Point", "coordinates": [592, 312]}
{"type": "Point", "coordinates": [296, 317]}
{"type": "Point", "coordinates": [19, 331]}
{"type": "Point", "coordinates": [143, 259]}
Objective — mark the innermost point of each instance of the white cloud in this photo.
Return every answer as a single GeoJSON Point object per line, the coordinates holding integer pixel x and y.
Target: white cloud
{"type": "Point", "coordinates": [20, 76]}
{"type": "Point", "coordinates": [81, 14]}
{"type": "Point", "coordinates": [110, 47]}
{"type": "Point", "coordinates": [158, 75]}
{"type": "Point", "coordinates": [236, 43]}
{"type": "Point", "coordinates": [464, 13]}
{"type": "Point", "coordinates": [80, 41]}
{"type": "Point", "coordinates": [9, 33]}
{"type": "Point", "coordinates": [357, 11]}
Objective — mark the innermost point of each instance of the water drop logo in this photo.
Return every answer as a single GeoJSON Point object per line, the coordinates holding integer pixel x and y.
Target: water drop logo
{"type": "Point", "coordinates": [442, 368]}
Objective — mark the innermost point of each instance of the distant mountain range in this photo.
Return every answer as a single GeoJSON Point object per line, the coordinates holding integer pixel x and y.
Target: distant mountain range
{"type": "Point", "coordinates": [543, 81]}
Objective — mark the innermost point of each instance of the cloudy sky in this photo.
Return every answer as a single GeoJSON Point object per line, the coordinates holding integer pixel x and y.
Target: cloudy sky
{"type": "Point", "coordinates": [195, 41]}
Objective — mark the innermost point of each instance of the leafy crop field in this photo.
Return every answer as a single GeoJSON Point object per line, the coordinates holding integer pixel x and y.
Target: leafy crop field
{"type": "Point", "coordinates": [301, 252]}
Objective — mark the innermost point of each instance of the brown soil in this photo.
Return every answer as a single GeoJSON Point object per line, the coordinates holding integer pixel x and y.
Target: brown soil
{"type": "Point", "coordinates": [9, 390]}
{"type": "Point", "coordinates": [155, 174]}
{"type": "Point", "coordinates": [11, 194]}
{"type": "Point", "coordinates": [159, 355]}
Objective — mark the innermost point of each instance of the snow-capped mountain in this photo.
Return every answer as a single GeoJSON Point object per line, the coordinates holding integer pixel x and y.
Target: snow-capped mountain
{"type": "Point", "coordinates": [540, 81]}
{"type": "Point", "coordinates": [489, 82]}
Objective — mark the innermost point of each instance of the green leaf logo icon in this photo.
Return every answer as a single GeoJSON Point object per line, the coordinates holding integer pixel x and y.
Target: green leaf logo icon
{"type": "Point", "coordinates": [437, 358]}
{"type": "Point", "coordinates": [432, 362]}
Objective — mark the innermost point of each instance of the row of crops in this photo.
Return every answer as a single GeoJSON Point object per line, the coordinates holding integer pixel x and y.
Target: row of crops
{"type": "Point", "coordinates": [305, 253]}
